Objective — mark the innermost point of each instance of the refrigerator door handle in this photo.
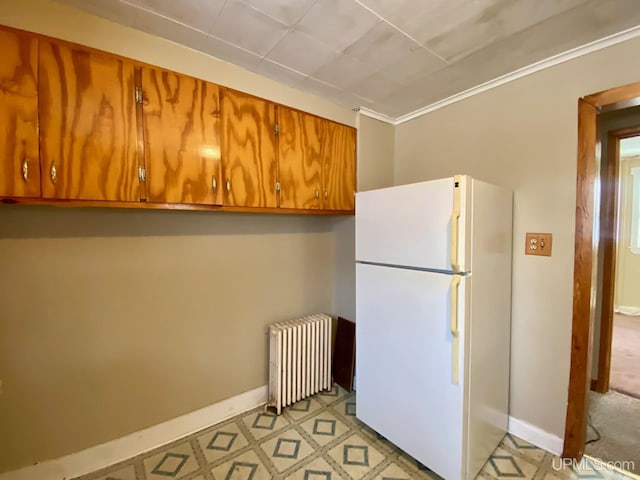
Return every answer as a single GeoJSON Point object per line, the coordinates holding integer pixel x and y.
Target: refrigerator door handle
{"type": "Point", "coordinates": [455, 339]}
{"type": "Point", "coordinates": [455, 223]}
{"type": "Point", "coordinates": [455, 219]}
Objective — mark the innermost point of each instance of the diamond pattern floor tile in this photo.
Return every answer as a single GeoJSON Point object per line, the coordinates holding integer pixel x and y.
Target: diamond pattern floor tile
{"type": "Point", "coordinates": [246, 466]}
{"type": "Point", "coordinates": [174, 462]}
{"type": "Point", "coordinates": [222, 442]}
{"type": "Point", "coordinates": [320, 438]}
{"type": "Point", "coordinates": [524, 448]}
{"type": "Point", "coordinates": [356, 456]}
{"type": "Point", "coordinates": [304, 408]}
{"type": "Point", "coordinates": [287, 450]}
{"type": "Point", "coordinates": [504, 464]}
{"type": "Point", "coordinates": [325, 427]}
{"type": "Point", "coordinates": [318, 469]}
{"type": "Point", "coordinates": [261, 424]}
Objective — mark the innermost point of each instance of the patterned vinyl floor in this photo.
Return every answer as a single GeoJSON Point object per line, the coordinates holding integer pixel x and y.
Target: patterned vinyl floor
{"type": "Point", "coordinates": [318, 439]}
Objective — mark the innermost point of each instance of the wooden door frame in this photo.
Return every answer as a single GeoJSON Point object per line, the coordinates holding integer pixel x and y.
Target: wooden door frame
{"type": "Point", "coordinates": [609, 244]}
{"type": "Point", "coordinates": [585, 243]}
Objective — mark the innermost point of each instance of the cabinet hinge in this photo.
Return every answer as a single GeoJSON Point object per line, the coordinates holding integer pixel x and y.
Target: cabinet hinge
{"type": "Point", "coordinates": [277, 187]}
{"type": "Point", "coordinates": [138, 95]}
{"type": "Point", "coordinates": [276, 129]}
{"type": "Point", "coordinates": [142, 173]}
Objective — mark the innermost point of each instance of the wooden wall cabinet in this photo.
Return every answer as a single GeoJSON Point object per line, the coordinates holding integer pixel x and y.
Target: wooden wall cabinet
{"type": "Point", "coordinates": [88, 133]}
{"type": "Point", "coordinates": [19, 160]}
{"type": "Point", "coordinates": [300, 142]}
{"type": "Point", "coordinates": [86, 126]}
{"type": "Point", "coordinates": [181, 117]}
{"type": "Point", "coordinates": [248, 150]}
{"type": "Point", "coordinates": [317, 162]}
{"type": "Point", "coordinates": [339, 167]}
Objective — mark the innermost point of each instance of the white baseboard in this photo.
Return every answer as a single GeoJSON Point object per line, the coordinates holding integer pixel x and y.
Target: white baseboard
{"type": "Point", "coordinates": [627, 310]}
{"type": "Point", "coordinates": [532, 434]}
{"type": "Point", "coordinates": [115, 451]}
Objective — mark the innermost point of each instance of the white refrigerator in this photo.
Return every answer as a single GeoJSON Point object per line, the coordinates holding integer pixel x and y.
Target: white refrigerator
{"type": "Point", "coordinates": [433, 310]}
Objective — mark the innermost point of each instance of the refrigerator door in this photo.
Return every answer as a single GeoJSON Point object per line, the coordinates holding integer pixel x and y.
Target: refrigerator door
{"type": "Point", "coordinates": [409, 370]}
{"type": "Point", "coordinates": [420, 225]}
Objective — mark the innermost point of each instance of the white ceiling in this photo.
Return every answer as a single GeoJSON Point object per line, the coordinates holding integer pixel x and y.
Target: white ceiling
{"type": "Point", "coordinates": [390, 56]}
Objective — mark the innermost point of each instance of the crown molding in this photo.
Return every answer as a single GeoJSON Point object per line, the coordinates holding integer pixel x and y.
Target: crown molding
{"type": "Point", "coordinates": [377, 115]}
{"type": "Point", "coordinates": [509, 77]}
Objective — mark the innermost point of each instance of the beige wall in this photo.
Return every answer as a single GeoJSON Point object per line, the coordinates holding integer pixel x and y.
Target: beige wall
{"type": "Point", "coordinates": [522, 135]}
{"type": "Point", "coordinates": [375, 170]}
{"type": "Point", "coordinates": [628, 263]}
{"type": "Point", "coordinates": [112, 321]}
{"type": "Point", "coordinates": [115, 320]}
{"type": "Point", "coordinates": [376, 143]}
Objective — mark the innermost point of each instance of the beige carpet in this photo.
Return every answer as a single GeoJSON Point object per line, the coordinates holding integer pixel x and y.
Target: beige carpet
{"type": "Point", "coordinates": [616, 418]}
{"type": "Point", "coordinates": [625, 355]}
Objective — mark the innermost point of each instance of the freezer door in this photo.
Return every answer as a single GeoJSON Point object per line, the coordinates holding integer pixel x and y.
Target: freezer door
{"type": "Point", "coordinates": [420, 225]}
{"type": "Point", "coordinates": [409, 371]}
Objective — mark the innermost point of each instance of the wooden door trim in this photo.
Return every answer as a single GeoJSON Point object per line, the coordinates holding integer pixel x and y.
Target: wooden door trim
{"type": "Point", "coordinates": [610, 99]}
{"type": "Point", "coordinates": [575, 428]}
{"type": "Point", "coordinates": [580, 373]}
{"type": "Point", "coordinates": [609, 239]}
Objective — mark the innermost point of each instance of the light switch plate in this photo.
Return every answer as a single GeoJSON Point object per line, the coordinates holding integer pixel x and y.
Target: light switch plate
{"type": "Point", "coordinates": [538, 244]}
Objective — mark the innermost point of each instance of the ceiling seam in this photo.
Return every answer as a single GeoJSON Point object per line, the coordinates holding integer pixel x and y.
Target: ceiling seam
{"type": "Point", "coordinates": [213, 24]}
{"type": "Point", "coordinates": [398, 29]}
{"type": "Point", "coordinates": [289, 28]}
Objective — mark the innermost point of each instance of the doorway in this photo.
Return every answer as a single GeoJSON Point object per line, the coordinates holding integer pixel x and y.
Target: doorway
{"type": "Point", "coordinates": [614, 403]}
{"type": "Point", "coordinates": [621, 351]}
{"type": "Point", "coordinates": [587, 241]}
{"type": "Point", "coordinates": [618, 267]}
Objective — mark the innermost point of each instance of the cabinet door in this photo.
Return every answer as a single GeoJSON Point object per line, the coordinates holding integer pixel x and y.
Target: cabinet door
{"type": "Point", "coordinates": [181, 138]}
{"type": "Point", "coordinates": [299, 159]}
{"type": "Point", "coordinates": [339, 167]}
{"type": "Point", "coordinates": [248, 150]}
{"type": "Point", "coordinates": [19, 162]}
{"type": "Point", "coordinates": [88, 141]}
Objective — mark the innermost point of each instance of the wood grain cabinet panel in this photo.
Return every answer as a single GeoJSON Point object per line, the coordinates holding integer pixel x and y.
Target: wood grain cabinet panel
{"type": "Point", "coordinates": [19, 159]}
{"type": "Point", "coordinates": [339, 167]}
{"type": "Point", "coordinates": [248, 150]}
{"type": "Point", "coordinates": [181, 117]}
{"type": "Point", "coordinates": [300, 159]}
{"type": "Point", "coordinates": [88, 132]}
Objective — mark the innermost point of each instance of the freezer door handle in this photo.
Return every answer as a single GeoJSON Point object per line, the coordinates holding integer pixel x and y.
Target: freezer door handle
{"type": "Point", "coordinates": [455, 338]}
{"type": "Point", "coordinates": [455, 219]}
{"type": "Point", "coordinates": [455, 223]}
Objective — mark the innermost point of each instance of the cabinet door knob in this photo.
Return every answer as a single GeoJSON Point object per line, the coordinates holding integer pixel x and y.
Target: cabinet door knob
{"type": "Point", "coordinates": [228, 186]}
{"type": "Point", "coordinates": [326, 194]}
{"type": "Point", "coordinates": [53, 173]}
{"type": "Point", "coordinates": [25, 170]}
{"type": "Point", "coordinates": [214, 183]}
{"type": "Point", "coordinates": [317, 194]}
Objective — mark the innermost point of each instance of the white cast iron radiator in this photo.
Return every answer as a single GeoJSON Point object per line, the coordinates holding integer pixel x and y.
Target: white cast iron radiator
{"type": "Point", "coordinates": [300, 363]}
